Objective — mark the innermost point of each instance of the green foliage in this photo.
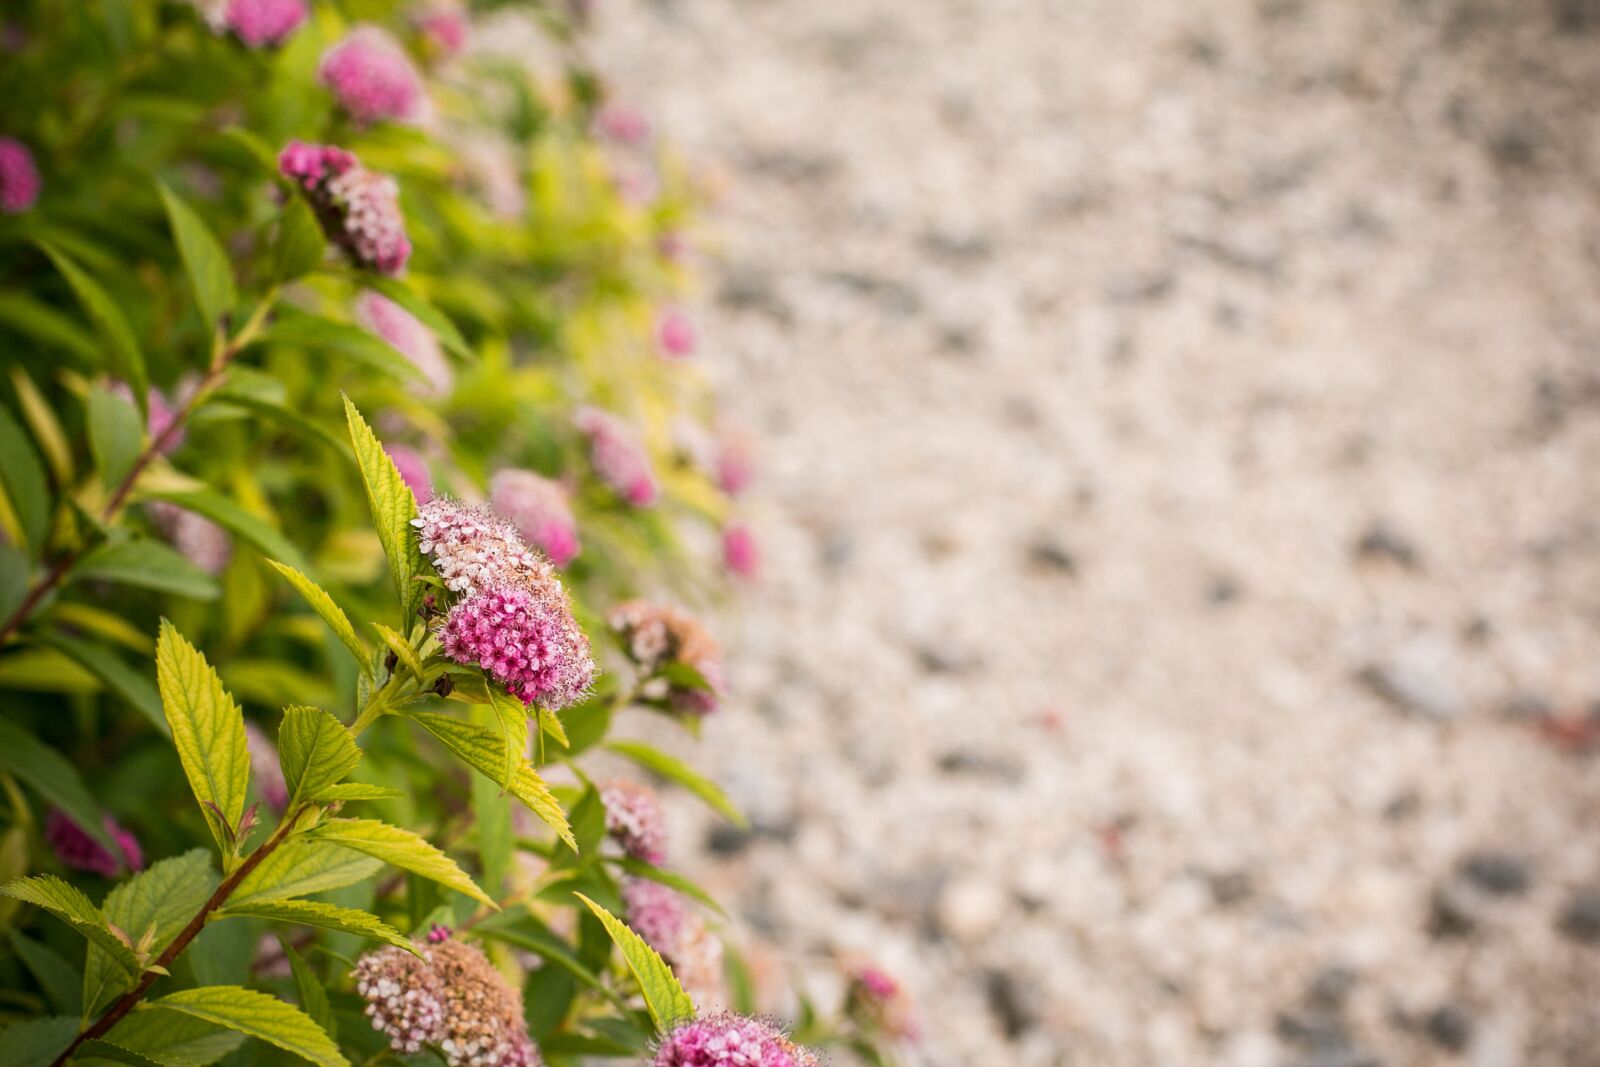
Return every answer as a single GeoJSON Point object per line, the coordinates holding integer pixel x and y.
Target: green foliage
{"type": "Point", "coordinates": [258, 1015]}
{"type": "Point", "coordinates": [665, 999]}
{"type": "Point", "coordinates": [208, 732]}
{"type": "Point", "coordinates": [315, 751]}
{"type": "Point", "coordinates": [403, 849]}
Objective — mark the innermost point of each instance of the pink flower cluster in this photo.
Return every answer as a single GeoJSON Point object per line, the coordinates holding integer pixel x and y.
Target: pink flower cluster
{"type": "Point", "coordinates": [445, 26]}
{"type": "Point", "coordinates": [19, 178]}
{"type": "Point", "coordinates": [634, 819]}
{"type": "Point", "coordinates": [359, 209]}
{"type": "Point", "coordinates": [622, 124]}
{"type": "Point", "coordinates": [74, 847]}
{"type": "Point", "coordinates": [413, 471]}
{"type": "Point", "coordinates": [655, 635]}
{"type": "Point", "coordinates": [451, 998]}
{"type": "Point", "coordinates": [740, 553]}
{"type": "Point", "coordinates": [409, 337]}
{"type": "Point", "coordinates": [372, 78]}
{"type": "Point", "coordinates": [538, 508]}
{"type": "Point", "coordinates": [260, 23]}
{"type": "Point", "coordinates": [727, 1040]}
{"type": "Point", "coordinates": [675, 334]}
{"type": "Point", "coordinates": [198, 539]}
{"type": "Point", "coordinates": [657, 914]}
{"type": "Point", "coordinates": [619, 457]}
{"type": "Point", "coordinates": [734, 464]}
{"type": "Point", "coordinates": [514, 618]}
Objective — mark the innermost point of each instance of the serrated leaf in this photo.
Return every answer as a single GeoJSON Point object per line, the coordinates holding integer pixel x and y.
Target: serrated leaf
{"type": "Point", "coordinates": [300, 866]}
{"type": "Point", "coordinates": [678, 771]}
{"type": "Point", "coordinates": [424, 311]}
{"type": "Point", "coordinates": [207, 730]}
{"type": "Point", "coordinates": [393, 507]}
{"type": "Point", "coordinates": [550, 723]}
{"type": "Point", "coordinates": [23, 478]}
{"type": "Point", "coordinates": [127, 361]}
{"type": "Point", "coordinates": [70, 905]}
{"type": "Point", "coordinates": [402, 849]}
{"type": "Point", "coordinates": [147, 565]}
{"type": "Point", "coordinates": [664, 997]}
{"type": "Point", "coordinates": [97, 1050]}
{"type": "Point", "coordinates": [53, 777]}
{"type": "Point", "coordinates": [36, 1042]}
{"type": "Point", "coordinates": [326, 916]}
{"type": "Point", "coordinates": [404, 654]}
{"type": "Point", "coordinates": [164, 898]}
{"type": "Point", "coordinates": [511, 715]}
{"type": "Point", "coordinates": [484, 750]}
{"type": "Point", "coordinates": [315, 751]}
{"type": "Point", "coordinates": [356, 791]}
{"type": "Point", "coordinates": [128, 683]}
{"type": "Point", "coordinates": [328, 611]}
{"type": "Point", "coordinates": [174, 1040]}
{"type": "Point", "coordinates": [60, 980]}
{"type": "Point", "coordinates": [313, 997]}
{"type": "Point", "coordinates": [210, 275]}
{"type": "Point", "coordinates": [299, 247]}
{"type": "Point", "coordinates": [256, 1015]}
{"type": "Point", "coordinates": [251, 529]}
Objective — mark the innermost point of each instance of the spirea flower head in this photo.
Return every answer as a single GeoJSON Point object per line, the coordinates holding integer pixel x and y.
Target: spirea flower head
{"type": "Point", "coordinates": [538, 507]}
{"type": "Point", "coordinates": [74, 847]}
{"type": "Point", "coordinates": [413, 471]}
{"type": "Point", "coordinates": [405, 999]}
{"type": "Point", "coordinates": [656, 913]}
{"type": "Point", "coordinates": [697, 961]}
{"type": "Point", "coordinates": [264, 767]}
{"type": "Point", "coordinates": [634, 819]}
{"type": "Point", "coordinates": [444, 26]}
{"type": "Point", "coordinates": [622, 124]}
{"type": "Point", "coordinates": [260, 23]}
{"type": "Point", "coordinates": [654, 635]}
{"type": "Point", "coordinates": [878, 1000]}
{"type": "Point", "coordinates": [675, 334]}
{"type": "Point", "coordinates": [728, 1040]}
{"type": "Point", "coordinates": [474, 549]}
{"type": "Point", "coordinates": [740, 553]}
{"type": "Point", "coordinates": [19, 178]}
{"type": "Point", "coordinates": [410, 338]}
{"type": "Point", "coordinates": [198, 539]}
{"type": "Point", "coordinates": [372, 78]}
{"type": "Point", "coordinates": [359, 209]}
{"type": "Point", "coordinates": [619, 457]}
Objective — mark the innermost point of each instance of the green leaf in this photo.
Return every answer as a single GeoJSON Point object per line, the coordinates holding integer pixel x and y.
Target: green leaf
{"type": "Point", "coordinates": [36, 1042]}
{"type": "Point", "coordinates": [210, 276]}
{"type": "Point", "coordinates": [484, 750]}
{"type": "Point", "coordinates": [512, 716]}
{"type": "Point", "coordinates": [404, 654]}
{"type": "Point", "coordinates": [356, 791]}
{"type": "Point", "coordinates": [313, 996]}
{"type": "Point", "coordinates": [60, 980]}
{"type": "Point", "coordinates": [207, 730]}
{"type": "Point", "coordinates": [300, 866]}
{"type": "Point", "coordinates": [251, 529]}
{"type": "Point", "coordinates": [126, 360]}
{"type": "Point", "coordinates": [256, 1015]}
{"type": "Point", "coordinates": [315, 751]}
{"type": "Point", "coordinates": [550, 723]}
{"type": "Point", "coordinates": [53, 777]}
{"type": "Point", "coordinates": [680, 772]}
{"type": "Point", "coordinates": [96, 1049]}
{"type": "Point", "coordinates": [492, 828]}
{"type": "Point", "coordinates": [324, 336]}
{"type": "Point", "coordinates": [70, 906]}
{"type": "Point", "coordinates": [430, 316]}
{"type": "Point", "coordinates": [41, 420]}
{"type": "Point", "coordinates": [132, 685]}
{"type": "Point", "coordinates": [326, 916]}
{"type": "Point", "coordinates": [300, 247]}
{"type": "Point", "coordinates": [49, 325]}
{"type": "Point", "coordinates": [665, 999]}
{"type": "Point", "coordinates": [393, 508]}
{"type": "Point", "coordinates": [23, 477]}
{"type": "Point", "coordinates": [401, 848]}
{"type": "Point", "coordinates": [147, 565]}
{"type": "Point", "coordinates": [330, 612]}
{"type": "Point", "coordinates": [161, 899]}
{"type": "Point", "coordinates": [173, 1040]}
{"type": "Point", "coordinates": [116, 434]}
{"type": "Point", "coordinates": [526, 932]}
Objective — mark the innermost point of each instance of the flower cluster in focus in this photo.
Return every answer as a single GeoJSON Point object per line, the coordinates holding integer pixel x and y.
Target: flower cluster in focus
{"type": "Point", "coordinates": [727, 1040]}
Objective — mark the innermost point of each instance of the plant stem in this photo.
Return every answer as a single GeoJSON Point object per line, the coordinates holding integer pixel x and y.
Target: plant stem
{"type": "Point", "coordinates": [128, 1000]}
{"type": "Point", "coordinates": [221, 358]}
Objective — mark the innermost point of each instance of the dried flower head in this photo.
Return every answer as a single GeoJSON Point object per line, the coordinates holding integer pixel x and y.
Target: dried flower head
{"type": "Point", "coordinates": [74, 847]}
{"type": "Point", "coordinates": [655, 635]}
{"type": "Point", "coordinates": [359, 209]}
{"type": "Point", "coordinates": [675, 334]}
{"type": "Point", "coordinates": [262, 23]}
{"type": "Point", "coordinates": [372, 78]}
{"type": "Point", "coordinates": [634, 819]}
{"type": "Point", "coordinates": [413, 471]}
{"type": "Point", "coordinates": [619, 457]}
{"type": "Point", "coordinates": [19, 178]}
{"type": "Point", "coordinates": [264, 767]}
{"type": "Point", "coordinates": [538, 507]}
{"type": "Point", "coordinates": [198, 539]}
{"type": "Point", "coordinates": [410, 338]}
{"type": "Point", "coordinates": [728, 1040]}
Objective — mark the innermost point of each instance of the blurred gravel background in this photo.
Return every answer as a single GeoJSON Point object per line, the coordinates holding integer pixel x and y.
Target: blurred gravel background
{"type": "Point", "coordinates": [1181, 442]}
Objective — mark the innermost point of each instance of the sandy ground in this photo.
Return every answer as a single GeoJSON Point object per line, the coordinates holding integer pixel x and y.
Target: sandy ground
{"type": "Point", "coordinates": [1181, 444]}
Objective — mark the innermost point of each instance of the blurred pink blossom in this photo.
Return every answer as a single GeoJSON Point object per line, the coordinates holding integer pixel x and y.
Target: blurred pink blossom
{"type": "Point", "coordinates": [413, 471]}
{"type": "Point", "coordinates": [740, 552]}
{"type": "Point", "coordinates": [675, 334]}
{"type": "Point", "coordinates": [407, 334]}
{"type": "Point", "coordinates": [75, 848]}
{"type": "Point", "coordinates": [538, 508]}
{"type": "Point", "coordinates": [372, 77]}
{"type": "Point", "coordinates": [19, 178]}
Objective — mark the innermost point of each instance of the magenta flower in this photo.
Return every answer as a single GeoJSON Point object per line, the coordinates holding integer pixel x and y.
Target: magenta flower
{"type": "Point", "coordinates": [634, 819]}
{"type": "Point", "coordinates": [618, 456]}
{"type": "Point", "coordinates": [740, 553]}
{"type": "Point", "coordinates": [264, 766]}
{"type": "Point", "coordinates": [656, 635]}
{"type": "Point", "coordinates": [622, 125]}
{"type": "Point", "coordinates": [372, 78]}
{"type": "Point", "coordinates": [675, 334]}
{"type": "Point", "coordinates": [410, 338]}
{"type": "Point", "coordinates": [727, 1040]}
{"type": "Point", "coordinates": [198, 539]}
{"type": "Point", "coordinates": [19, 178]}
{"type": "Point", "coordinates": [359, 209]}
{"type": "Point", "coordinates": [538, 508]}
{"type": "Point", "coordinates": [655, 912]}
{"type": "Point", "coordinates": [413, 471]}
{"type": "Point", "coordinates": [446, 28]}
{"type": "Point", "coordinates": [76, 849]}
{"type": "Point", "coordinates": [262, 23]}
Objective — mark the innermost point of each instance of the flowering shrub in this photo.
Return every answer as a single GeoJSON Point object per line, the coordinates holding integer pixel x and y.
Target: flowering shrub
{"type": "Point", "coordinates": [335, 438]}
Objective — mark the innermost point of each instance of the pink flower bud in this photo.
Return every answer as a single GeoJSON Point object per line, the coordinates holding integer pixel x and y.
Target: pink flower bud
{"type": "Point", "coordinates": [198, 539]}
{"type": "Point", "coordinates": [19, 178]}
{"type": "Point", "coordinates": [76, 849]}
{"type": "Point", "coordinates": [264, 766]}
{"type": "Point", "coordinates": [735, 462]}
{"type": "Point", "coordinates": [740, 553]}
{"type": "Point", "coordinates": [675, 334]}
{"type": "Point", "coordinates": [618, 456]}
{"type": "Point", "coordinates": [622, 125]}
{"type": "Point", "coordinates": [409, 336]}
{"type": "Point", "coordinates": [446, 28]}
{"type": "Point", "coordinates": [372, 78]}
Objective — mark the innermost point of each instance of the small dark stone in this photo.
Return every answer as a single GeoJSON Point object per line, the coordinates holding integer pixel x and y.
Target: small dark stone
{"type": "Point", "coordinates": [1331, 986]}
{"type": "Point", "coordinates": [1313, 1030]}
{"type": "Point", "coordinates": [980, 765]}
{"type": "Point", "coordinates": [1005, 1001]}
{"type": "Point", "coordinates": [958, 247]}
{"type": "Point", "coordinates": [726, 840]}
{"type": "Point", "coordinates": [1497, 872]}
{"type": "Point", "coordinates": [1450, 916]}
{"type": "Point", "coordinates": [1514, 147]}
{"type": "Point", "coordinates": [1223, 590]}
{"type": "Point", "coordinates": [1338, 1057]}
{"type": "Point", "coordinates": [940, 659]}
{"type": "Point", "coordinates": [1231, 887]}
{"type": "Point", "coordinates": [1403, 806]}
{"type": "Point", "coordinates": [1451, 1027]}
{"type": "Point", "coordinates": [957, 340]}
{"type": "Point", "coordinates": [1580, 919]}
{"type": "Point", "coordinates": [894, 296]}
{"type": "Point", "coordinates": [1047, 554]}
{"type": "Point", "coordinates": [1141, 288]}
{"type": "Point", "coordinates": [747, 287]}
{"type": "Point", "coordinates": [1383, 542]}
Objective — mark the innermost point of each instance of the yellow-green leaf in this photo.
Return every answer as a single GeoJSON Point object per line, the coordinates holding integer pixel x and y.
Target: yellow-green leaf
{"type": "Point", "coordinates": [330, 612]}
{"type": "Point", "coordinates": [484, 750]}
{"type": "Point", "coordinates": [256, 1015]}
{"type": "Point", "coordinates": [207, 730]}
{"type": "Point", "coordinates": [315, 750]}
{"type": "Point", "coordinates": [301, 866]}
{"type": "Point", "coordinates": [403, 849]}
{"type": "Point", "coordinates": [664, 997]}
{"type": "Point", "coordinates": [327, 916]}
{"type": "Point", "coordinates": [393, 507]}
{"type": "Point", "coordinates": [127, 361]}
{"type": "Point", "coordinates": [355, 791]}
{"type": "Point", "coordinates": [163, 897]}
{"type": "Point", "coordinates": [512, 716]}
{"type": "Point", "coordinates": [210, 275]}
{"type": "Point", "coordinates": [68, 904]}
{"type": "Point", "coordinates": [404, 654]}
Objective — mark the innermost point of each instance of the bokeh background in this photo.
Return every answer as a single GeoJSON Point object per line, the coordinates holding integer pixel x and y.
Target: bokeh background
{"type": "Point", "coordinates": [1180, 421]}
